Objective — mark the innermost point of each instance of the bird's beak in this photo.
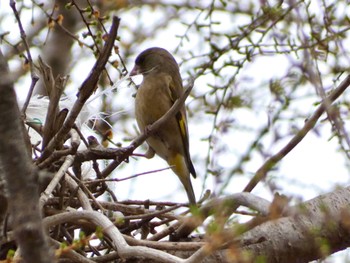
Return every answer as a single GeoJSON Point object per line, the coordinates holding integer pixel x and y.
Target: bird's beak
{"type": "Point", "coordinates": [135, 71]}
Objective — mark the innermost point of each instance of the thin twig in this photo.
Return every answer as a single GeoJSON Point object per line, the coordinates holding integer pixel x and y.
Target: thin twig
{"type": "Point", "coordinates": [35, 78]}
{"type": "Point", "coordinates": [309, 124]}
{"type": "Point", "coordinates": [126, 178]}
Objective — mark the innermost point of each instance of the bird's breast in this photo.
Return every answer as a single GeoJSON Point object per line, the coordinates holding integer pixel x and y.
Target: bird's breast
{"type": "Point", "coordinates": [152, 101]}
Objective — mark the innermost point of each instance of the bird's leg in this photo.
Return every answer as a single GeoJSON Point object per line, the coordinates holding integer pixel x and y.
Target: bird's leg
{"type": "Point", "coordinates": [149, 153]}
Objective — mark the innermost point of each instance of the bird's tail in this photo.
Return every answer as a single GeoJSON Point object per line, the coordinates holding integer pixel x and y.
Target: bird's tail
{"type": "Point", "coordinates": [180, 168]}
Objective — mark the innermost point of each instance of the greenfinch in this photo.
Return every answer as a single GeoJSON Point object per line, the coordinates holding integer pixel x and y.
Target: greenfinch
{"type": "Point", "coordinates": [160, 88]}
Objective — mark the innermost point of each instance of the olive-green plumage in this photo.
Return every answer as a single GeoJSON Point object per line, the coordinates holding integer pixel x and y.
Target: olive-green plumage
{"type": "Point", "coordinates": [160, 88]}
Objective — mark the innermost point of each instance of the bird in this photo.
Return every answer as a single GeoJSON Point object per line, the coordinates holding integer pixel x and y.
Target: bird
{"type": "Point", "coordinates": [160, 88]}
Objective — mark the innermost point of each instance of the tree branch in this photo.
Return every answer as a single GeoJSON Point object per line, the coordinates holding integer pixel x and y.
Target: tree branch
{"type": "Point", "coordinates": [120, 245]}
{"type": "Point", "coordinates": [19, 172]}
{"type": "Point", "coordinates": [85, 91]}
{"type": "Point", "coordinates": [309, 124]}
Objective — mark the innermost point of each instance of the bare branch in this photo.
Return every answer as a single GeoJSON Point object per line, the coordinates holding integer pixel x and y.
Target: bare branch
{"type": "Point", "coordinates": [309, 124]}
{"type": "Point", "coordinates": [120, 245]}
{"type": "Point", "coordinates": [86, 89]}
{"type": "Point", "coordinates": [18, 172]}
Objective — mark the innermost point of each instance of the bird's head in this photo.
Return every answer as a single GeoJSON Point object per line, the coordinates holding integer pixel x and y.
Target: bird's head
{"type": "Point", "coordinates": [154, 60]}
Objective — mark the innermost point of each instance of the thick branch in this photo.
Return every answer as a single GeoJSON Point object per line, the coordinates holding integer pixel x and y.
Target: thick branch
{"type": "Point", "coordinates": [301, 237]}
{"type": "Point", "coordinates": [309, 231]}
{"type": "Point", "coordinates": [20, 175]}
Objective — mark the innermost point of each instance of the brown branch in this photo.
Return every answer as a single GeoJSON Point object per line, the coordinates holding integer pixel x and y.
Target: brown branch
{"type": "Point", "coordinates": [20, 175]}
{"type": "Point", "coordinates": [54, 89]}
{"type": "Point", "coordinates": [29, 56]}
{"type": "Point", "coordinates": [85, 91]}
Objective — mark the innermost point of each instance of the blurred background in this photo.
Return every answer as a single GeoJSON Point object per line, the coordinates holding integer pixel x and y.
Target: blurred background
{"type": "Point", "coordinates": [261, 69]}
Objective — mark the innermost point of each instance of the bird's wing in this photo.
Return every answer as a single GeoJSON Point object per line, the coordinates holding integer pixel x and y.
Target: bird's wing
{"type": "Point", "coordinates": [175, 93]}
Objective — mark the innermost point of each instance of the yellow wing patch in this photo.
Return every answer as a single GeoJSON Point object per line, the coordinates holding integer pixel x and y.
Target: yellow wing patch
{"type": "Point", "coordinates": [182, 124]}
